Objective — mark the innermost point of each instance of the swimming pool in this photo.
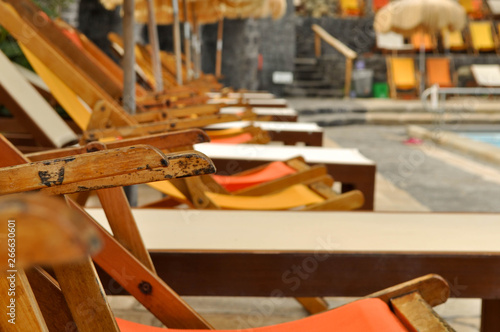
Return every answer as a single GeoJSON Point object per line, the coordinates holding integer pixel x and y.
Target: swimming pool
{"type": "Point", "coordinates": [492, 138]}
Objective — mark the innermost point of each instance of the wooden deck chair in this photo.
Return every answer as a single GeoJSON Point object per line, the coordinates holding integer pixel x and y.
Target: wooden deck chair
{"type": "Point", "coordinates": [149, 166]}
{"type": "Point", "coordinates": [438, 71]}
{"type": "Point", "coordinates": [486, 75]}
{"type": "Point", "coordinates": [351, 8]}
{"type": "Point", "coordinates": [399, 308]}
{"type": "Point", "coordinates": [392, 42]}
{"type": "Point", "coordinates": [482, 37]}
{"type": "Point", "coordinates": [31, 110]}
{"type": "Point", "coordinates": [473, 8]}
{"type": "Point", "coordinates": [92, 84]}
{"type": "Point", "coordinates": [378, 4]}
{"type": "Point", "coordinates": [402, 76]}
{"type": "Point", "coordinates": [428, 41]}
{"type": "Point", "coordinates": [453, 41]}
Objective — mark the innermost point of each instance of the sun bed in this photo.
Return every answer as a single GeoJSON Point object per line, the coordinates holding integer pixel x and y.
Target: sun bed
{"type": "Point", "coordinates": [453, 40]}
{"type": "Point", "coordinates": [347, 166]}
{"type": "Point", "coordinates": [373, 250]}
{"type": "Point", "coordinates": [290, 133]}
{"type": "Point", "coordinates": [486, 75]}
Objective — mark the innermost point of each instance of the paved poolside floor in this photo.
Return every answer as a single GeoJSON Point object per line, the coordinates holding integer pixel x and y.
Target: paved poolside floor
{"type": "Point", "coordinates": [409, 178]}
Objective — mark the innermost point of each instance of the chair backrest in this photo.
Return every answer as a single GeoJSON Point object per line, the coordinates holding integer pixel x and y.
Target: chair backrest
{"type": "Point", "coordinates": [481, 36]}
{"type": "Point", "coordinates": [403, 73]}
{"type": "Point", "coordinates": [31, 109]}
{"type": "Point", "coordinates": [378, 4]}
{"type": "Point", "coordinates": [453, 40]}
{"type": "Point", "coordinates": [420, 39]}
{"type": "Point", "coordinates": [350, 7]}
{"type": "Point", "coordinates": [392, 41]}
{"type": "Point", "coordinates": [473, 8]}
{"type": "Point", "coordinates": [486, 75]}
{"type": "Point", "coordinates": [438, 72]}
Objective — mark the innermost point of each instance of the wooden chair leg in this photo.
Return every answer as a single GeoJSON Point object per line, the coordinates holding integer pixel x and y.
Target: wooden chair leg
{"type": "Point", "coordinates": [85, 297]}
{"type": "Point", "coordinates": [20, 303]}
{"type": "Point", "coordinates": [51, 301]}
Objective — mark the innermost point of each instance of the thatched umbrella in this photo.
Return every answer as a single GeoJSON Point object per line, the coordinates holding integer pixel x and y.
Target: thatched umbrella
{"type": "Point", "coordinates": [409, 16]}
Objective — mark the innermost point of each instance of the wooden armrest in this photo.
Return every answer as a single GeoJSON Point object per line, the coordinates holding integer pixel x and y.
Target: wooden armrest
{"type": "Point", "coordinates": [46, 231]}
{"type": "Point", "coordinates": [163, 141]}
{"type": "Point", "coordinates": [432, 287]}
{"type": "Point", "coordinates": [130, 165]}
{"type": "Point", "coordinates": [157, 127]}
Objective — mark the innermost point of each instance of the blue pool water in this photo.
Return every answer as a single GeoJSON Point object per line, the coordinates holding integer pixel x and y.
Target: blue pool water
{"type": "Point", "coordinates": [485, 137]}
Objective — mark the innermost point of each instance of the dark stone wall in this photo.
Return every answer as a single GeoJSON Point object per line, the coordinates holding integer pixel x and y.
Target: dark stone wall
{"type": "Point", "coordinates": [277, 48]}
{"type": "Point", "coordinates": [240, 52]}
{"type": "Point", "coordinates": [96, 22]}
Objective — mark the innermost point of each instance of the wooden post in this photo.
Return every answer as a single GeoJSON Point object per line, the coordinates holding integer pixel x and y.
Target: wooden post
{"type": "Point", "coordinates": [155, 47]}
{"type": "Point", "coordinates": [177, 42]}
{"type": "Point", "coordinates": [187, 42]}
{"type": "Point", "coordinates": [348, 76]}
{"type": "Point", "coordinates": [218, 58]}
{"type": "Point", "coordinates": [317, 45]}
{"type": "Point", "coordinates": [129, 57]}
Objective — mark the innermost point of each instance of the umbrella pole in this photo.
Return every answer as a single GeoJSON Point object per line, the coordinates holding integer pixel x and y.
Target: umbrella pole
{"type": "Point", "coordinates": [177, 42]}
{"type": "Point", "coordinates": [196, 44]}
{"type": "Point", "coordinates": [218, 57]}
{"type": "Point", "coordinates": [187, 42]}
{"type": "Point", "coordinates": [422, 67]}
{"type": "Point", "coordinates": [155, 47]}
{"type": "Point", "coordinates": [129, 57]}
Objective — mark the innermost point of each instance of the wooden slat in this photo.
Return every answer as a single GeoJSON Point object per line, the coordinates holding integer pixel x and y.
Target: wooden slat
{"type": "Point", "coordinates": [162, 141]}
{"type": "Point", "coordinates": [123, 224]}
{"type": "Point", "coordinates": [52, 304]}
{"type": "Point", "coordinates": [26, 313]}
{"type": "Point", "coordinates": [85, 297]}
{"type": "Point", "coordinates": [45, 174]}
{"type": "Point", "coordinates": [154, 128]}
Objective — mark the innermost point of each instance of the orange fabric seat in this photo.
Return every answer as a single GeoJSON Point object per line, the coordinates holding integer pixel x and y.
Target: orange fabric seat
{"type": "Point", "coordinates": [367, 315]}
{"type": "Point", "coordinates": [418, 39]}
{"type": "Point", "coordinates": [378, 4]}
{"type": "Point", "coordinates": [274, 170]}
{"type": "Point", "coordinates": [438, 72]}
{"type": "Point", "coordinates": [238, 139]}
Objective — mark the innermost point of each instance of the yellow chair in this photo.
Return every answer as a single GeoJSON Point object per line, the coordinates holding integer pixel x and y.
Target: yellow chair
{"type": "Point", "coordinates": [351, 7]}
{"type": "Point", "coordinates": [401, 76]}
{"type": "Point", "coordinates": [482, 37]}
{"type": "Point", "coordinates": [453, 40]}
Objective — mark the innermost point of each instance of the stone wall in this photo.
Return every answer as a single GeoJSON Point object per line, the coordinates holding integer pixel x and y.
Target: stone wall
{"type": "Point", "coordinates": [277, 48]}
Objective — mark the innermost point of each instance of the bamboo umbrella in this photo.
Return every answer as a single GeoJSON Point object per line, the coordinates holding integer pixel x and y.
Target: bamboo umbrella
{"type": "Point", "coordinates": [409, 16]}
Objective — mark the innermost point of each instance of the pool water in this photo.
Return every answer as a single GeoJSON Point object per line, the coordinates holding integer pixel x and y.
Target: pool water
{"type": "Point", "coordinates": [485, 137]}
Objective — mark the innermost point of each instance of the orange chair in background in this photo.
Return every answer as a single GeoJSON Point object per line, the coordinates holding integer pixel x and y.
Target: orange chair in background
{"type": "Point", "coordinates": [428, 41]}
{"type": "Point", "coordinates": [378, 4]}
{"type": "Point", "coordinates": [438, 72]}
